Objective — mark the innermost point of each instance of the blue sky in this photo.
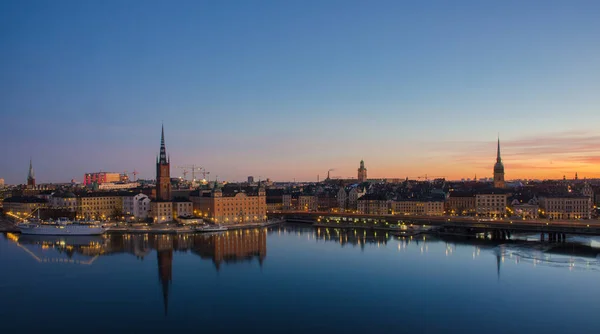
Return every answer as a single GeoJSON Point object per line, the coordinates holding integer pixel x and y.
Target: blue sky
{"type": "Point", "coordinates": [290, 89]}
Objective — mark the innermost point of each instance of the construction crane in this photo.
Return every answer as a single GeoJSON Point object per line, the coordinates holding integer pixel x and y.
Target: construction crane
{"type": "Point", "coordinates": [192, 168]}
{"type": "Point", "coordinates": [204, 173]}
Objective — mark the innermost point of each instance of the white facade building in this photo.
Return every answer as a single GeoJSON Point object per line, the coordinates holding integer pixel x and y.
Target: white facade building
{"type": "Point", "coordinates": [138, 206]}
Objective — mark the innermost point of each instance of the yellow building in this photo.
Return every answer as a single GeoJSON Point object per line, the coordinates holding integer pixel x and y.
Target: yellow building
{"type": "Point", "coordinates": [491, 205]}
{"type": "Point", "coordinates": [23, 207]}
{"type": "Point", "coordinates": [231, 206]}
{"type": "Point", "coordinates": [183, 208]}
{"type": "Point", "coordinates": [425, 208]}
{"type": "Point", "coordinates": [99, 206]}
{"type": "Point", "coordinates": [566, 207]}
{"type": "Point", "coordinates": [161, 211]}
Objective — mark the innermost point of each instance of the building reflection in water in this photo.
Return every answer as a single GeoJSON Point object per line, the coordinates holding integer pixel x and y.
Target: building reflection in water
{"type": "Point", "coordinates": [247, 245]}
{"type": "Point", "coordinates": [225, 247]}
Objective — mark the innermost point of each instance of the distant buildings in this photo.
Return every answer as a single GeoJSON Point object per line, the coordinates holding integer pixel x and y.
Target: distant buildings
{"type": "Point", "coordinates": [100, 178]}
{"type": "Point", "coordinates": [362, 172]}
{"type": "Point", "coordinates": [1, 183]}
{"type": "Point", "coordinates": [250, 179]}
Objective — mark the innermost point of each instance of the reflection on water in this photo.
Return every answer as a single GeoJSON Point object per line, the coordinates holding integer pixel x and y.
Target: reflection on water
{"type": "Point", "coordinates": [250, 246]}
{"type": "Point", "coordinates": [225, 247]}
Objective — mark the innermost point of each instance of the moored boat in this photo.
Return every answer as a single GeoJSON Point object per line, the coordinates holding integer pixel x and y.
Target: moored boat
{"type": "Point", "coordinates": [62, 226]}
{"type": "Point", "coordinates": [211, 228]}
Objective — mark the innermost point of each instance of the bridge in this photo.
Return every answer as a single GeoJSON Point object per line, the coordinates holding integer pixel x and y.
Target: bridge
{"type": "Point", "coordinates": [554, 230]}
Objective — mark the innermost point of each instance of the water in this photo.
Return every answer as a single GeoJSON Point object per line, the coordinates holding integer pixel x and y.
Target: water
{"type": "Point", "coordinates": [296, 279]}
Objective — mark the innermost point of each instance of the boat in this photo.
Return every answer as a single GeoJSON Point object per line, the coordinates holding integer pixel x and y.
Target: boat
{"type": "Point", "coordinates": [62, 226]}
{"type": "Point", "coordinates": [211, 228]}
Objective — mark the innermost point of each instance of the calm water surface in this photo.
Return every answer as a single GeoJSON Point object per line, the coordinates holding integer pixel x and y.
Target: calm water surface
{"type": "Point", "coordinates": [296, 279]}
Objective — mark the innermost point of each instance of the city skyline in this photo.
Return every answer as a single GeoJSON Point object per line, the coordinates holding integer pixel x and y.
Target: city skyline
{"type": "Point", "coordinates": [290, 90]}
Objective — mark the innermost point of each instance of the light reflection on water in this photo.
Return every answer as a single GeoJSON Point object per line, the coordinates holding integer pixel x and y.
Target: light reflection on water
{"type": "Point", "coordinates": [303, 268]}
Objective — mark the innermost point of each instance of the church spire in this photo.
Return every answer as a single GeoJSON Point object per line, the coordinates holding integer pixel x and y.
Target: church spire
{"type": "Point", "coordinates": [31, 174]}
{"type": "Point", "coordinates": [163, 150]}
{"type": "Point", "coordinates": [498, 158]}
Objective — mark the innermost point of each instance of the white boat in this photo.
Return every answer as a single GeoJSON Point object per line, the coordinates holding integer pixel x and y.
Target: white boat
{"type": "Point", "coordinates": [211, 228]}
{"type": "Point", "coordinates": [62, 226]}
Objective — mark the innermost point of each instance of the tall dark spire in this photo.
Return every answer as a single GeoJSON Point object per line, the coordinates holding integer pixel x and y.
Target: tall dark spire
{"type": "Point", "coordinates": [163, 150]}
{"type": "Point", "coordinates": [31, 174]}
{"type": "Point", "coordinates": [498, 158]}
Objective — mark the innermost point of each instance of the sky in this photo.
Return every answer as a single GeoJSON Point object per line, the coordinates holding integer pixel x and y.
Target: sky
{"type": "Point", "coordinates": [291, 89]}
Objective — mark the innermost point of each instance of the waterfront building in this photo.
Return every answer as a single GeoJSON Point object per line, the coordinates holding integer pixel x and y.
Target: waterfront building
{"type": "Point", "coordinates": [99, 205]}
{"type": "Point", "coordinates": [566, 206]}
{"type": "Point", "coordinates": [1, 183]}
{"type": "Point", "coordinates": [183, 207]}
{"type": "Point", "coordinates": [274, 200]}
{"type": "Point", "coordinates": [373, 204]}
{"type": "Point", "coordinates": [362, 172]}
{"type": "Point", "coordinates": [499, 170]}
{"type": "Point", "coordinates": [527, 210]}
{"type": "Point", "coordinates": [416, 207]}
{"type": "Point", "coordinates": [231, 205]}
{"type": "Point", "coordinates": [286, 201]}
{"type": "Point", "coordinates": [491, 204]}
{"type": "Point", "coordinates": [460, 203]}
{"type": "Point", "coordinates": [307, 203]}
{"type": "Point", "coordinates": [342, 199]}
{"type": "Point", "coordinates": [161, 211]}
{"type": "Point", "coordinates": [100, 178]}
{"type": "Point", "coordinates": [353, 195]}
{"type": "Point", "coordinates": [31, 176]}
{"type": "Point", "coordinates": [63, 201]}
{"type": "Point", "coordinates": [23, 207]}
{"type": "Point", "coordinates": [136, 205]}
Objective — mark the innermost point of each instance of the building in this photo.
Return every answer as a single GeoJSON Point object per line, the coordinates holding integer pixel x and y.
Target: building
{"type": "Point", "coordinates": [250, 179]}
{"type": "Point", "coordinates": [100, 178]}
{"type": "Point", "coordinates": [373, 204]}
{"type": "Point", "coordinates": [566, 207]}
{"type": "Point", "coordinates": [161, 212]}
{"type": "Point", "coordinates": [460, 203]}
{"type": "Point", "coordinates": [118, 185]}
{"type": "Point", "coordinates": [1, 183]}
{"type": "Point", "coordinates": [307, 203]}
{"type": "Point", "coordinates": [412, 207]}
{"type": "Point", "coordinates": [362, 172]}
{"type": "Point", "coordinates": [231, 205]}
{"type": "Point", "coordinates": [136, 205]}
{"type": "Point", "coordinates": [353, 195]}
{"type": "Point", "coordinates": [527, 210]}
{"type": "Point", "coordinates": [342, 199]}
{"type": "Point", "coordinates": [183, 208]}
{"type": "Point", "coordinates": [99, 205]}
{"type": "Point", "coordinates": [63, 201]}
{"type": "Point", "coordinates": [30, 177]}
{"type": "Point", "coordinates": [163, 174]}
{"type": "Point", "coordinates": [499, 170]}
{"type": "Point", "coordinates": [274, 200]}
{"type": "Point", "coordinates": [23, 207]}
{"type": "Point", "coordinates": [491, 205]}
{"type": "Point", "coordinates": [286, 201]}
